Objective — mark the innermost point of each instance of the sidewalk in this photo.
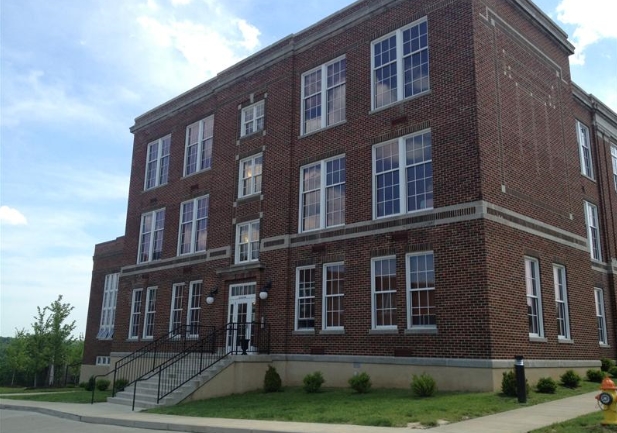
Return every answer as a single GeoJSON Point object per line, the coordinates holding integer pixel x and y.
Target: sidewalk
{"type": "Point", "coordinates": [515, 421]}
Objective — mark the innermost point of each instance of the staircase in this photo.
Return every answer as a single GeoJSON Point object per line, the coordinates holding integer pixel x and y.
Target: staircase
{"type": "Point", "coordinates": [147, 390]}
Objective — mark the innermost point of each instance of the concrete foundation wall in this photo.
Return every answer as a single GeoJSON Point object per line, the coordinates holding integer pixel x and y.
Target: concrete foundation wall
{"type": "Point", "coordinates": [89, 370]}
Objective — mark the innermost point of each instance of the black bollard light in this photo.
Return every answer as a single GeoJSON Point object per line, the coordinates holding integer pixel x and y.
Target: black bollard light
{"type": "Point", "coordinates": [521, 383]}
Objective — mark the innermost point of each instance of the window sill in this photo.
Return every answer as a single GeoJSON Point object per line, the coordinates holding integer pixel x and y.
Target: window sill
{"type": "Point", "coordinates": [155, 187]}
{"type": "Point", "coordinates": [588, 177]}
{"type": "Point", "coordinates": [250, 197]}
{"type": "Point", "coordinates": [325, 128]}
{"type": "Point", "coordinates": [196, 173]}
{"type": "Point", "coordinates": [605, 346]}
{"type": "Point", "coordinates": [259, 132]}
{"type": "Point", "coordinates": [430, 331]}
{"type": "Point", "coordinates": [402, 101]}
{"type": "Point", "coordinates": [391, 331]}
{"type": "Point", "coordinates": [537, 339]}
{"type": "Point", "coordinates": [332, 332]}
{"type": "Point", "coordinates": [303, 332]}
{"type": "Point", "coordinates": [565, 341]}
{"type": "Point", "coordinates": [400, 215]}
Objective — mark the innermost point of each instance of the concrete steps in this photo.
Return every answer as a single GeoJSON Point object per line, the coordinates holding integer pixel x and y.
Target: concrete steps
{"type": "Point", "coordinates": [146, 394]}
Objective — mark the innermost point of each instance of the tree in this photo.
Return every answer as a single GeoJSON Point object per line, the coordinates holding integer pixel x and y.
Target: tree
{"type": "Point", "coordinates": [17, 359]}
{"type": "Point", "coordinates": [59, 335]}
{"type": "Point", "coordinates": [38, 345]}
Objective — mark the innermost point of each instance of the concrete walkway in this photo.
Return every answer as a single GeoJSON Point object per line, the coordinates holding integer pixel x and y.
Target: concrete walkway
{"type": "Point", "coordinates": [515, 421]}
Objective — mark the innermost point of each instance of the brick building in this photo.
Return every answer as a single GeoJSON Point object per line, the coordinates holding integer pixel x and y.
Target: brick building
{"type": "Point", "coordinates": [411, 186]}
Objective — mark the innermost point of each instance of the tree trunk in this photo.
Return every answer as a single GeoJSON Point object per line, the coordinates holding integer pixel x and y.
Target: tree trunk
{"type": "Point", "coordinates": [51, 374]}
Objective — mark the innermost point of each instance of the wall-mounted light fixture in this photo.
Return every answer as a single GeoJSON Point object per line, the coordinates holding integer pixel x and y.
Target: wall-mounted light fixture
{"type": "Point", "coordinates": [210, 298]}
{"type": "Point", "coordinates": [263, 293]}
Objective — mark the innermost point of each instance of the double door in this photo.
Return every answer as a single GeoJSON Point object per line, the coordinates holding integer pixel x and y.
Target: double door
{"type": "Point", "coordinates": [241, 315]}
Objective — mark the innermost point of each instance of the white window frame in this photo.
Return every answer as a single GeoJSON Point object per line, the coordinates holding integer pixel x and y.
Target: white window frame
{"type": "Point", "coordinates": [151, 236]}
{"type": "Point", "coordinates": [108, 308]}
{"type": "Point", "coordinates": [428, 289]}
{"type": "Point", "coordinates": [614, 164]}
{"type": "Point", "coordinates": [322, 92]}
{"type": "Point", "coordinates": [149, 313]}
{"type": "Point", "coordinates": [306, 299]}
{"type": "Point", "coordinates": [584, 149]}
{"type": "Point", "coordinates": [103, 360]}
{"type": "Point", "coordinates": [250, 175]}
{"type": "Point", "coordinates": [561, 302]}
{"type": "Point", "coordinates": [252, 244]}
{"type": "Point", "coordinates": [534, 296]}
{"type": "Point", "coordinates": [191, 225]}
{"type": "Point", "coordinates": [256, 114]}
{"type": "Point", "coordinates": [400, 172]}
{"type": "Point", "coordinates": [375, 293]}
{"type": "Point", "coordinates": [203, 143]}
{"type": "Point", "coordinates": [598, 294]}
{"type": "Point", "coordinates": [325, 206]}
{"type": "Point", "coordinates": [157, 163]}
{"type": "Point", "coordinates": [193, 312]}
{"type": "Point", "coordinates": [399, 65]}
{"type": "Point", "coordinates": [177, 306]}
{"type": "Point", "coordinates": [136, 309]}
{"type": "Point", "coordinates": [338, 298]}
{"type": "Point", "coordinates": [593, 231]}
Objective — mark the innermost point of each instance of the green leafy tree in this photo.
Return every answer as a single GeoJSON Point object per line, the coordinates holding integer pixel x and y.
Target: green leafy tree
{"type": "Point", "coordinates": [17, 358]}
{"type": "Point", "coordinates": [38, 344]}
{"type": "Point", "coordinates": [59, 335]}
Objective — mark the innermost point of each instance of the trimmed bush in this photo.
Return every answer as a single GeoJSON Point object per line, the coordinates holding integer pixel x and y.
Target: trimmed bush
{"type": "Point", "coordinates": [546, 385]}
{"type": "Point", "coordinates": [607, 364]}
{"type": "Point", "coordinates": [272, 380]}
{"type": "Point", "coordinates": [102, 384]}
{"type": "Point", "coordinates": [83, 384]}
{"type": "Point", "coordinates": [508, 384]}
{"type": "Point", "coordinates": [312, 382]}
{"type": "Point", "coordinates": [595, 376]}
{"type": "Point", "coordinates": [613, 372]}
{"type": "Point", "coordinates": [120, 384]}
{"type": "Point", "coordinates": [90, 384]}
{"type": "Point", "coordinates": [423, 385]}
{"type": "Point", "coordinates": [570, 379]}
{"type": "Point", "coordinates": [361, 383]}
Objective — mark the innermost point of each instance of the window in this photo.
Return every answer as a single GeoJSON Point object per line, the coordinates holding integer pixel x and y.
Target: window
{"type": "Point", "coordinates": [177, 301]}
{"type": "Point", "coordinates": [322, 194]}
{"type": "Point", "coordinates": [250, 176]}
{"type": "Point", "coordinates": [252, 118]}
{"type": "Point", "coordinates": [305, 298]}
{"type": "Point", "coordinates": [593, 231]}
{"type": "Point", "coordinates": [421, 290]}
{"type": "Point", "coordinates": [103, 360]}
{"type": "Point", "coordinates": [193, 225]}
{"type": "Point", "coordinates": [405, 189]}
{"type": "Point", "coordinates": [151, 237]}
{"type": "Point", "coordinates": [247, 242]}
{"type": "Point", "coordinates": [192, 319]}
{"type": "Point", "coordinates": [584, 146]}
{"type": "Point", "coordinates": [384, 292]}
{"type": "Point", "coordinates": [108, 310]}
{"type": "Point", "coordinates": [150, 311]}
{"type": "Point", "coordinates": [400, 64]}
{"type": "Point", "coordinates": [333, 293]}
{"type": "Point", "coordinates": [135, 313]}
{"type": "Point", "coordinates": [157, 165]}
{"type": "Point", "coordinates": [323, 87]}
{"type": "Point", "coordinates": [561, 301]}
{"type": "Point", "coordinates": [600, 315]}
{"type": "Point", "coordinates": [534, 298]}
{"type": "Point", "coordinates": [199, 146]}
{"type": "Point", "coordinates": [614, 160]}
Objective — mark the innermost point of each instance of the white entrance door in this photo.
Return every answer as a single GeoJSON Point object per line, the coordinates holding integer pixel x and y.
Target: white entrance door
{"type": "Point", "coordinates": [240, 331]}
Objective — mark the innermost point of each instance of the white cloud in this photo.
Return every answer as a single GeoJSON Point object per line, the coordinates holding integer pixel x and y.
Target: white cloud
{"type": "Point", "coordinates": [593, 20]}
{"type": "Point", "coordinates": [180, 2]}
{"type": "Point", "coordinates": [12, 216]}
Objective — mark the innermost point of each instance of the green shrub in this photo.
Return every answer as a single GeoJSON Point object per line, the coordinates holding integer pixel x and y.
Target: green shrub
{"type": "Point", "coordinates": [570, 379]}
{"type": "Point", "coordinates": [546, 385]}
{"type": "Point", "coordinates": [508, 384]}
{"type": "Point", "coordinates": [361, 383]}
{"type": "Point", "coordinates": [312, 382]}
{"type": "Point", "coordinates": [607, 364]}
{"type": "Point", "coordinates": [272, 380]}
{"type": "Point", "coordinates": [613, 372]}
{"type": "Point", "coordinates": [120, 384]}
{"type": "Point", "coordinates": [90, 384]}
{"type": "Point", "coordinates": [423, 385]}
{"type": "Point", "coordinates": [83, 384]}
{"type": "Point", "coordinates": [102, 384]}
{"type": "Point", "coordinates": [595, 376]}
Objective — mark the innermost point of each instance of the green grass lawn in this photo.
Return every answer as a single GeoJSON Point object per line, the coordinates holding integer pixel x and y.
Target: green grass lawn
{"type": "Point", "coordinates": [64, 395]}
{"type": "Point", "coordinates": [584, 424]}
{"type": "Point", "coordinates": [380, 407]}
{"type": "Point", "coordinates": [21, 390]}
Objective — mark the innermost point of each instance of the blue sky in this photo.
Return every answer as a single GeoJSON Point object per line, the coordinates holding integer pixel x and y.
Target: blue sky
{"type": "Point", "coordinates": [74, 75]}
